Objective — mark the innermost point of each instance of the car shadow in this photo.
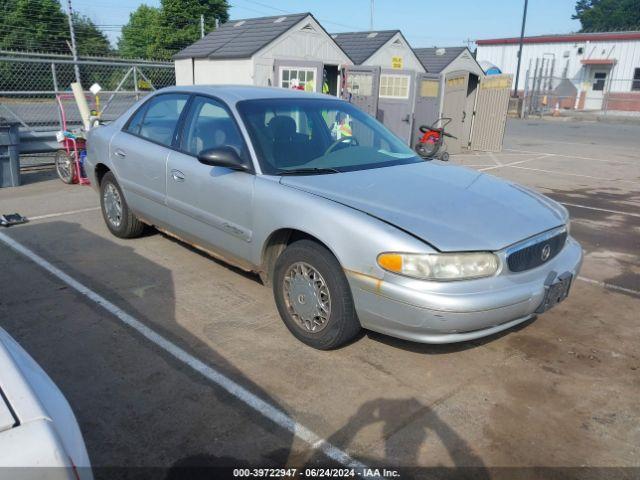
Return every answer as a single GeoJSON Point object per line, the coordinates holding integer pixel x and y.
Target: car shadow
{"type": "Point", "coordinates": [143, 413]}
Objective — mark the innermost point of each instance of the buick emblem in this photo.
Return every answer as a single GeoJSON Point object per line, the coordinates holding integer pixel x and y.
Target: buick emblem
{"type": "Point", "coordinates": [546, 252]}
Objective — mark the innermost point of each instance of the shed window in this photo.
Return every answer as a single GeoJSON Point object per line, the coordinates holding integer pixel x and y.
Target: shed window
{"type": "Point", "coordinates": [635, 85]}
{"type": "Point", "coordinates": [360, 84]}
{"type": "Point", "coordinates": [429, 88]}
{"type": "Point", "coordinates": [394, 86]}
{"type": "Point", "coordinates": [301, 78]}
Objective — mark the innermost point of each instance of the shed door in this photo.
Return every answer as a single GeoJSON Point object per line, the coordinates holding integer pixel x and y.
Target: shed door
{"type": "Point", "coordinates": [427, 104]}
{"type": "Point", "coordinates": [300, 74]}
{"type": "Point", "coordinates": [490, 114]}
{"type": "Point", "coordinates": [395, 107]}
{"type": "Point", "coordinates": [455, 99]}
{"type": "Point", "coordinates": [359, 86]}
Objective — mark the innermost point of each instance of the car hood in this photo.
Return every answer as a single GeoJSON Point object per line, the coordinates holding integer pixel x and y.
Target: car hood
{"type": "Point", "coordinates": [452, 208]}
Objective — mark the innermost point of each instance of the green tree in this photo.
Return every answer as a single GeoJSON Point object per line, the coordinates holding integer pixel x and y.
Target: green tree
{"type": "Point", "coordinates": [180, 23]}
{"type": "Point", "coordinates": [28, 25]}
{"type": "Point", "coordinates": [140, 35]}
{"type": "Point", "coordinates": [608, 15]}
{"type": "Point", "coordinates": [90, 40]}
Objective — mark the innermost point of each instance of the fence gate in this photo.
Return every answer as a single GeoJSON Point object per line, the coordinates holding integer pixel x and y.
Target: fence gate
{"type": "Point", "coordinates": [490, 115]}
{"type": "Point", "coordinates": [360, 86]}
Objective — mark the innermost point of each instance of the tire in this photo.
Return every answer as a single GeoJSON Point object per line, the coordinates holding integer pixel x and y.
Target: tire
{"type": "Point", "coordinates": [124, 225]}
{"type": "Point", "coordinates": [341, 324]}
{"type": "Point", "coordinates": [426, 150]}
{"type": "Point", "coordinates": [65, 167]}
{"type": "Point", "coordinates": [444, 157]}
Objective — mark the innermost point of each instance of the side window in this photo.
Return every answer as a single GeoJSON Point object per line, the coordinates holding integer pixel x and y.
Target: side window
{"type": "Point", "coordinates": [210, 125]}
{"type": "Point", "coordinates": [161, 117]}
{"type": "Point", "coordinates": [136, 120]}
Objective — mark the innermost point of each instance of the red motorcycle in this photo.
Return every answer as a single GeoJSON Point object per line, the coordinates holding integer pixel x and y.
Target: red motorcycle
{"type": "Point", "coordinates": [430, 144]}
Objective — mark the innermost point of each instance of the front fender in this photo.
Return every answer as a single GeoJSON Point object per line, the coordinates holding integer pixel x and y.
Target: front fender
{"type": "Point", "coordinates": [355, 238]}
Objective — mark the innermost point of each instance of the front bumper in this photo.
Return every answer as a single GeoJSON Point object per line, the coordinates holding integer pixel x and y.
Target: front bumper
{"type": "Point", "coordinates": [447, 312]}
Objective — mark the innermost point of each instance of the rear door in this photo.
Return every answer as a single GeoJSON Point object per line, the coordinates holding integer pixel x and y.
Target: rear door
{"type": "Point", "coordinates": [139, 154]}
{"type": "Point", "coordinates": [395, 107]}
{"type": "Point", "coordinates": [210, 206]}
{"type": "Point", "coordinates": [360, 86]}
{"type": "Point", "coordinates": [427, 103]}
{"type": "Point", "coordinates": [455, 99]}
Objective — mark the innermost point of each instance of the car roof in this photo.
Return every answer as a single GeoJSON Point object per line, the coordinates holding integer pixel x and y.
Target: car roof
{"type": "Point", "coordinates": [235, 93]}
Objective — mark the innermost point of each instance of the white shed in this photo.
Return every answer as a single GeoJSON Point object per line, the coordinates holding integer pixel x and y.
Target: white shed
{"type": "Point", "coordinates": [387, 58]}
{"type": "Point", "coordinates": [285, 51]}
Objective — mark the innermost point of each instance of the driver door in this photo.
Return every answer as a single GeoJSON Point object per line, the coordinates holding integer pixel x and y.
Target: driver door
{"type": "Point", "coordinates": [210, 206]}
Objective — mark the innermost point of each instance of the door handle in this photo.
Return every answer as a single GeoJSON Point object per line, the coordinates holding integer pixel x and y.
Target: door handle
{"type": "Point", "coordinates": [407, 118]}
{"type": "Point", "coordinates": [120, 153]}
{"type": "Point", "coordinates": [177, 175]}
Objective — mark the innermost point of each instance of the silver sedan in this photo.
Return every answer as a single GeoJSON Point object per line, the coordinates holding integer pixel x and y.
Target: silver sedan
{"type": "Point", "coordinates": [347, 224]}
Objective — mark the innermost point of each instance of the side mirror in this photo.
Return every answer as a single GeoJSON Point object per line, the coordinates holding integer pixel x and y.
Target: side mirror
{"type": "Point", "coordinates": [222, 157]}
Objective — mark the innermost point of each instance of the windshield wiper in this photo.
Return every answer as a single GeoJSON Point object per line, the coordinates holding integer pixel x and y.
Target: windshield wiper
{"type": "Point", "coordinates": [309, 171]}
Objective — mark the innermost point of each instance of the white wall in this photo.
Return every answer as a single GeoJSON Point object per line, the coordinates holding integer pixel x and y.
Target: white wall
{"type": "Point", "coordinates": [184, 71]}
{"type": "Point", "coordinates": [239, 72]}
{"type": "Point", "coordinates": [627, 54]}
{"type": "Point", "coordinates": [383, 57]}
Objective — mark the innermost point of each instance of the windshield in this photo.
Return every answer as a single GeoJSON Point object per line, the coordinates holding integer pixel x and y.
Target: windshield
{"type": "Point", "coordinates": [311, 136]}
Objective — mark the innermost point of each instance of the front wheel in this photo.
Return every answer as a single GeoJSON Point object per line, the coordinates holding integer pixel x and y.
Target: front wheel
{"type": "Point", "coordinates": [313, 296]}
{"type": "Point", "coordinates": [119, 218]}
{"type": "Point", "coordinates": [426, 150]}
{"type": "Point", "coordinates": [65, 166]}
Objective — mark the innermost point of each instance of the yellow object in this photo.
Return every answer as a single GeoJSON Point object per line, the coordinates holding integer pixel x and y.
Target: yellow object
{"type": "Point", "coordinates": [429, 88]}
{"type": "Point", "coordinates": [391, 262]}
{"type": "Point", "coordinates": [310, 86]}
{"type": "Point", "coordinates": [396, 63]}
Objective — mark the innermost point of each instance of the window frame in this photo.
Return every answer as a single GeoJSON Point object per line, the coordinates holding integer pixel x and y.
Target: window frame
{"type": "Point", "coordinates": [395, 75]}
{"type": "Point", "coordinates": [145, 105]}
{"type": "Point", "coordinates": [282, 68]}
{"type": "Point", "coordinates": [635, 83]}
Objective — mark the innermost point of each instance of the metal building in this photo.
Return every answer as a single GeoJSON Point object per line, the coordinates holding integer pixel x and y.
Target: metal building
{"type": "Point", "coordinates": [284, 51]}
{"type": "Point", "coordinates": [384, 78]}
{"type": "Point", "coordinates": [459, 76]}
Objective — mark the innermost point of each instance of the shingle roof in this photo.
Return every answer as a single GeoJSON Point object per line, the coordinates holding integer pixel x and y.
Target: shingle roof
{"type": "Point", "coordinates": [361, 45]}
{"type": "Point", "coordinates": [435, 63]}
{"type": "Point", "coordinates": [241, 38]}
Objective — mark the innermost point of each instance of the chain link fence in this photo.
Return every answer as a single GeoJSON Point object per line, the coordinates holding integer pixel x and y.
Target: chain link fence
{"type": "Point", "coordinates": [31, 84]}
{"type": "Point", "coordinates": [597, 94]}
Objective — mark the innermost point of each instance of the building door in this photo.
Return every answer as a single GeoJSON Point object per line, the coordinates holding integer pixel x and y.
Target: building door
{"type": "Point", "coordinates": [490, 115]}
{"type": "Point", "coordinates": [455, 100]}
{"type": "Point", "coordinates": [395, 106]}
{"type": "Point", "coordinates": [427, 103]}
{"type": "Point", "coordinates": [360, 87]}
{"type": "Point", "coordinates": [298, 74]}
{"type": "Point", "coordinates": [596, 88]}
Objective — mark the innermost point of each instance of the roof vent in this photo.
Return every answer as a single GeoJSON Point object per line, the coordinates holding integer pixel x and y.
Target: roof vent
{"type": "Point", "coordinates": [308, 28]}
{"type": "Point", "coordinates": [440, 51]}
{"type": "Point", "coordinates": [239, 24]}
{"type": "Point", "coordinates": [279, 20]}
{"type": "Point", "coordinates": [372, 34]}
{"type": "Point", "coordinates": [397, 41]}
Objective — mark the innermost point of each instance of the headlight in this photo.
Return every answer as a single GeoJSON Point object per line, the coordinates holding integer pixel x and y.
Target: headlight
{"type": "Point", "coordinates": [440, 266]}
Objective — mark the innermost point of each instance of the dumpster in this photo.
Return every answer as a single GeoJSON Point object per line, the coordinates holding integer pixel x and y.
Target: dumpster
{"type": "Point", "coordinates": [9, 154]}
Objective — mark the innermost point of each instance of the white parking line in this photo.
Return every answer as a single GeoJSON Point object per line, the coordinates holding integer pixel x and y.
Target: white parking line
{"type": "Point", "coordinates": [617, 212]}
{"type": "Point", "coordinates": [610, 286]}
{"type": "Point", "coordinates": [269, 411]}
{"type": "Point", "coordinates": [501, 165]}
{"type": "Point", "coordinates": [513, 165]}
{"type": "Point", "coordinates": [568, 156]}
{"type": "Point", "coordinates": [60, 214]}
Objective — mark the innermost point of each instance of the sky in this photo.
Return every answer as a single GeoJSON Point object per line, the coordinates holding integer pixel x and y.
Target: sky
{"type": "Point", "coordinates": [425, 23]}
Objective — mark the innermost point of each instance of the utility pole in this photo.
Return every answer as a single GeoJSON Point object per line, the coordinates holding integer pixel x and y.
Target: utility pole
{"type": "Point", "coordinates": [371, 17]}
{"type": "Point", "coordinates": [201, 26]}
{"type": "Point", "coordinates": [524, 20]}
{"type": "Point", "coordinates": [74, 50]}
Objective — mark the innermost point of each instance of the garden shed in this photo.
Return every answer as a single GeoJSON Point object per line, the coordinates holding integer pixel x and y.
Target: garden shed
{"type": "Point", "coordinates": [284, 51]}
{"type": "Point", "coordinates": [459, 77]}
{"type": "Point", "coordinates": [383, 79]}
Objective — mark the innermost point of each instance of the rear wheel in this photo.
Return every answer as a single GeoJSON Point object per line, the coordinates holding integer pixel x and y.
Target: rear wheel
{"type": "Point", "coordinates": [426, 150]}
{"type": "Point", "coordinates": [115, 211]}
{"type": "Point", "coordinates": [65, 166]}
{"type": "Point", "coordinates": [314, 297]}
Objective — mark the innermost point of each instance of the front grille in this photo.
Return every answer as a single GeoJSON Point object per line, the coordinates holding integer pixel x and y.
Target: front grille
{"type": "Point", "coordinates": [532, 256]}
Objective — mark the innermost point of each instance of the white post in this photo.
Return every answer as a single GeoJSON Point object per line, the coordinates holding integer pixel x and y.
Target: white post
{"type": "Point", "coordinates": [201, 26]}
{"type": "Point", "coordinates": [74, 50]}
